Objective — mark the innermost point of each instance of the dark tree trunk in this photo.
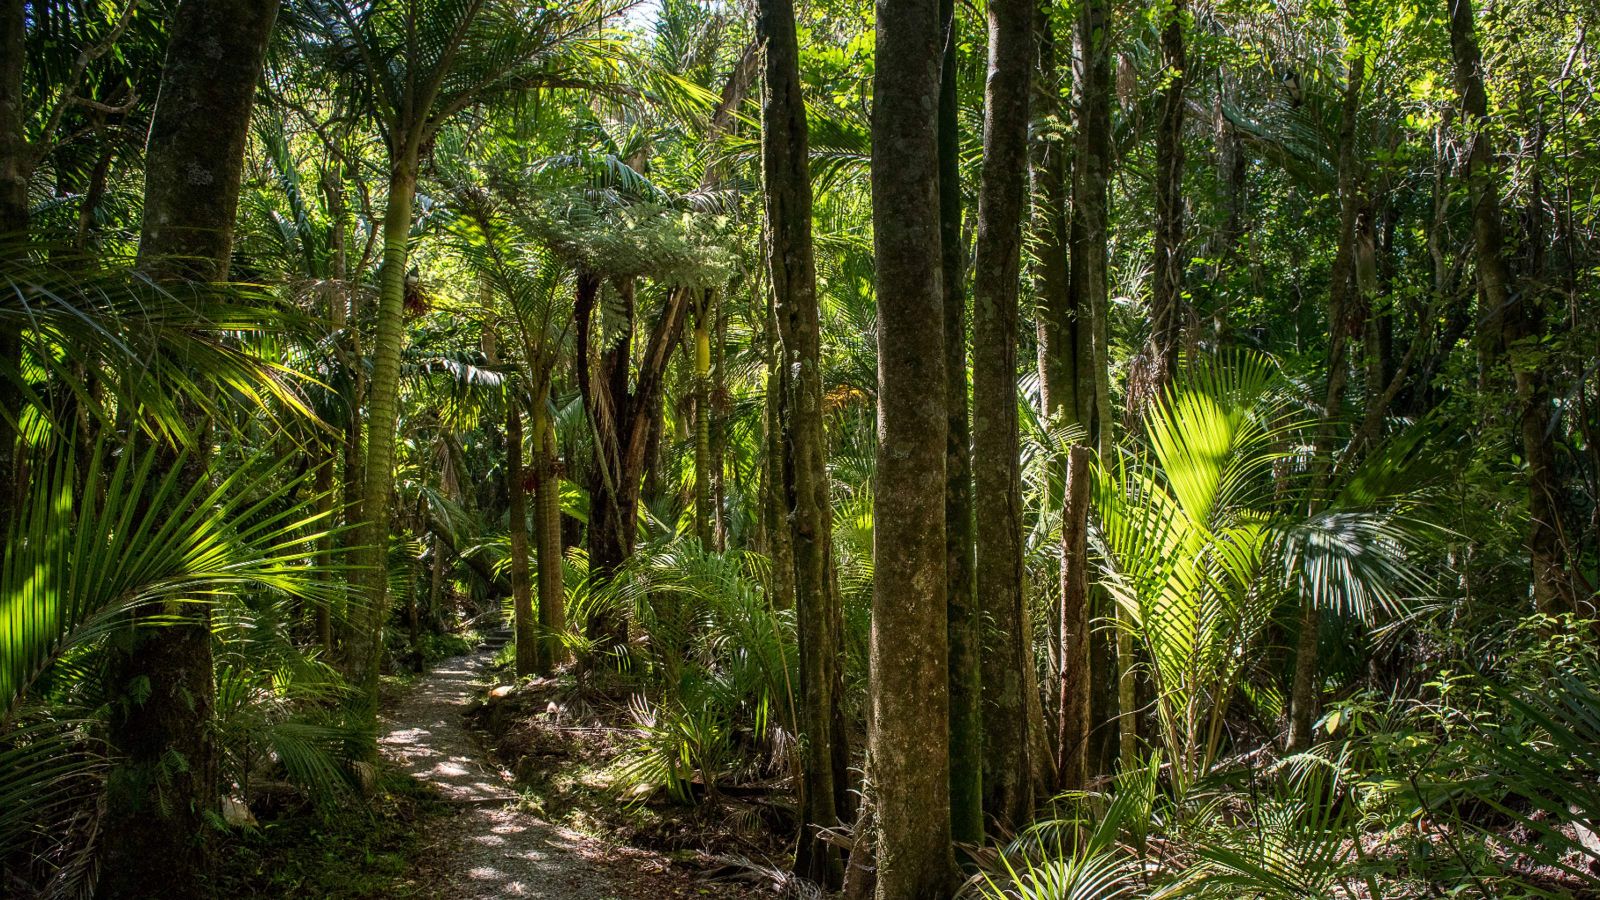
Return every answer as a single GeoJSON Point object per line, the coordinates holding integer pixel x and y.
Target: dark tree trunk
{"type": "Point", "coordinates": [996, 451]}
{"type": "Point", "coordinates": [908, 697]}
{"type": "Point", "coordinates": [1074, 723]}
{"type": "Point", "coordinates": [620, 418]}
{"type": "Point", "coordinates": [16, 169]}
{"type": "Point", "coordinates": [528, 656]}
{"type": "Point", "coordinates": [1113, 702]}
{"type": "Point", "coordinates": [156, 823]}
{"type": "Point", "coordinates": [1512, 322]}
{"type": "Point", "coordinates": [962, 621]}
{"type": "Point", "coordinates": [1158, 363]}
{"type": "Point", "coordinates": [785, 168]}
{"type": "Point", "coordinates": [547, 534]}
{"type": "Point", "coordinates": [1304, 694]}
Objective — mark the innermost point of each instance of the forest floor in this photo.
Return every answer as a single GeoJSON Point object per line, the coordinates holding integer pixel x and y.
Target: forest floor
{"type": "Point", "coordinates": [488, 846]}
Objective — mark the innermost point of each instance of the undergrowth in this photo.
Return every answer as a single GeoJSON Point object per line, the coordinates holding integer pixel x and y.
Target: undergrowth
{"type": "Point", "coordinates": [362, 850]}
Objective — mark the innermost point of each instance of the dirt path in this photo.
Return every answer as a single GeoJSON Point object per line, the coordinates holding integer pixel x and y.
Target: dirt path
{"type": "Point", "coordinates": [492, 850]}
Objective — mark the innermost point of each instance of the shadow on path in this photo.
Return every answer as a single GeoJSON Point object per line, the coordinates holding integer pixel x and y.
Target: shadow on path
{"type": "Point", "coordinates": [496, 851]}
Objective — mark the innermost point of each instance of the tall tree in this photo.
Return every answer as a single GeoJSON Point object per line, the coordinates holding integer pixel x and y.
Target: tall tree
{"type": "Point", "coordinates": [908, 730]}
{"type": "Point", "coordinates": [786, 173]}
{"type": "Point", "coordinates": [996, 452]}
{"type": "Point", "coordinates": [964, 624]}
{"type": "Point", "coordinates": [158, 798]}
{"type": "Point", "coordinates": [418, 65]}
{"type": "Point", "coordinates": [1159, 359]}
{"type": "Point", "coordinates": [1303, 695]}
{"type": "Point", "coordinates": [1510, 322]}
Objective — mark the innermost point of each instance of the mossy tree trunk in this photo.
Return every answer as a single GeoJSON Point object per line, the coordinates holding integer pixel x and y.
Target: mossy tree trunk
{"type": "Point", "coordinates": [996, 452]}
{"type": "Point", "coordinates": [165, 784]}
{"type": "Point", "coordinates": [962, 615]}
{"type": "Point", "coordinates": [908, 697]}
{"type": "Point", "coordinates": [785, 169]}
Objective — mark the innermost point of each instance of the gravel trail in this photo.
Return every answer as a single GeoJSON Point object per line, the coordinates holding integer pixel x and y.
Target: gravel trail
{"type": "Point", "coordinates": [492, 850]}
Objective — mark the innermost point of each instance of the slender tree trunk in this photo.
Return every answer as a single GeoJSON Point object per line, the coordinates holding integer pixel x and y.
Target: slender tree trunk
{"type": "Point", "coordinates": [547, 534]}
{"type": "Point", "coordinates": [996, 452]}
{"type": "Point", "coordinates": [383, 408]}
{"type": "Point", "coordinates": [704, 314]}
{"type": "Point", "coordinates": [774, 502]}
{"type": "Point", "coordinates": [529, 659]}
{"type": "Point", "coordinates": [791, 267]}
{"type": "Point", "coordinates": [1512, 322]}
{"type": "Point", "coordinates": [1159, 359]}
{"type": "Point", "coordinates": [159, 795]}
{"type": "Point", "coordinates": [16, 170]}
{"type": "Point", "coordinates": [1113, 709]}
{"type": "Point", "coordinates": [962, 620]}
{"type": "Point", "coordinates": [1304, 694]}
{"type": "Point", "coordinates": [322, 616]}
{"type": "Point", "coordinates": [1072, 745]}
{"type": "Point", "coordinates": [908, 697]}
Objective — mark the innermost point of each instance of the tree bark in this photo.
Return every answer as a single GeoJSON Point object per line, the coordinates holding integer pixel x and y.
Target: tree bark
{"type": "Point", "coordinates": [1512, 322]}
{"type": "Point", "coordinates": [997, 467]}
{"type": "Point", "coordinates": [1158, 363]}
{"type": "Point", "coordinates": [908, 696]}
{"type": "Point", "coordinates": [620, 418]}
{"type": "Point", "coordinates": [1113, 708]}
{"type": "Point", "coordinates": [529, 657]}
{"type": "Point", "coordinates": [964, 626]}
{"type": "Point", "coordinates": [785, 169]}
{"type": "Point", "coordinates": [1304, 693]}
{"type": "Point", "coordinates": [547, 535]}
{"type": "Point", "coordinates": [1074, 723]}
{"type": "Point", "coordinates": [704, 313]}
{"type": "Point", "coordinates": [16, 170]}
{"type": "Point", "coordinates": [156, 817]}
{"type": "Point", "coordinates": [383, 410]}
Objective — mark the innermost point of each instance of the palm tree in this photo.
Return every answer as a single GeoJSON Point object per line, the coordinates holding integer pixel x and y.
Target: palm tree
{"type": "Point", "coordinates": [528, 313]}
{"type": "Point", "coordinates": [1199, 548]}
{"type": "Point", "coordinates": [417, 65]}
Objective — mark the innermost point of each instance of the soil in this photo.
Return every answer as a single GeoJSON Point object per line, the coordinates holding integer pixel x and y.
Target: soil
{"type": "Point", "coordinates": [490, 847]}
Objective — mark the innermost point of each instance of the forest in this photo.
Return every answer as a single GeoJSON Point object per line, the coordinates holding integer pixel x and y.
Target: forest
{"type": "Point", "coordinates": [910, 450]}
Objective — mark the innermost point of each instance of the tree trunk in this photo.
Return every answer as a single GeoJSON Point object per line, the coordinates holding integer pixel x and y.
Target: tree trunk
{"type": "Point", "coordinates": [908, 697]}
{"type": "Point", "coordinates": [996, 451]}
{"type": "Point", "coordinates": [1113, 708]}
{"type": "Point", "coordinates": [962, 620]}
{"type": "Point", "coordinates": [383, 409]}
{"type": "Point", "coordinates": [1158, 364]}
{"type": "Point", "coordinates": [529, 659]}
{"type": "Point", "coordinates": [1513, 323]}
{"type": "Point", "coordinates": [156, 815]}
{"type": "Point", "coordinates": [620, 419]}
{"type": "Point", "coordinates": [791, 267]}
{"type": "Point", "coordinates": [1074, 723]}
{"type": "Point", "coordinates": [16, 169]}
{"type": "Point", "coordinates": [704, 313]}
{"type": "Point", "coordinates": [1304, 693]}
{"type": "Point", "coordinates": [547, 535]}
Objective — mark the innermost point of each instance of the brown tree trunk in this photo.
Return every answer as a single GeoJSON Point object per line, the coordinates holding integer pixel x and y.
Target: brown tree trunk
{"type": "Point", "coordinates": [16, 170]}
{"type": "Point", "coordinates": [523, 626]}
{"type": "Point", "coordinates": [620, 418]}
{"type": "Point", "coordinates": [908, 697]}
{"type": "Point", "coordinates": [785, 168]}
{"type": "Point", "coordinates": [996, 451]}
{"type": "Point", "coordinates": [1512, 322]}
{"type": "Point", "coordinates": [1304, 695]}
{"type": "Point", "coordinates": [1074, 723]}
{"type": "Point", "coordinates": [156, 816]}
{"type": "Point", "coordinates": [962, 620]}
{"type": "Point", "coordinates": [1113, 701]}
{"type": "Point", "coordinates": [1158, 363]}
{"type": "Point", "coordinates": [547, 535]}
